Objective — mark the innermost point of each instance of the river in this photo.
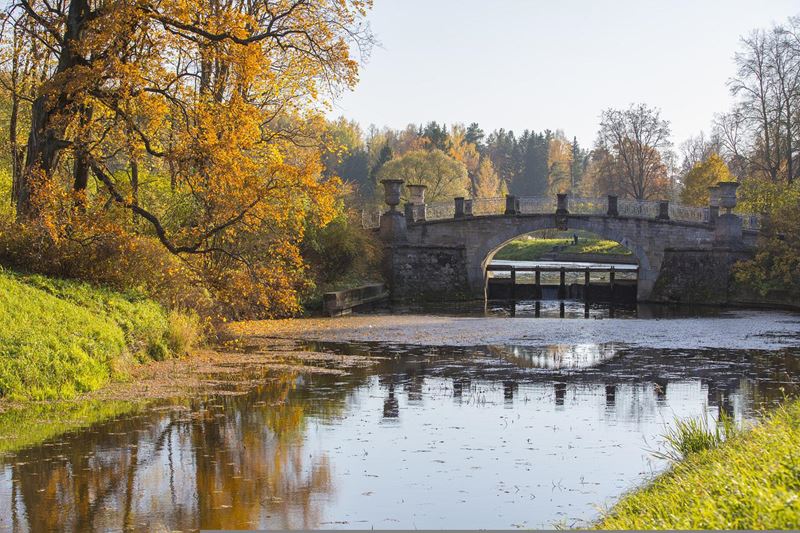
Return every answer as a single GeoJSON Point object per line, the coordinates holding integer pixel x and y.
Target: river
{"type": "Point", "coordinates": [473, 420]}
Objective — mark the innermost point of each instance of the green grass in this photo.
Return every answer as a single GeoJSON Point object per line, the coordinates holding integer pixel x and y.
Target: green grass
{"type": "Point", "coordinates": [751, 481]}
{"type": "Point", "coordinates": [694, 435]}
{"type": "Point", "coordinates": [532, 249]}
{"type": "Point", "coordinates": [62, 338]}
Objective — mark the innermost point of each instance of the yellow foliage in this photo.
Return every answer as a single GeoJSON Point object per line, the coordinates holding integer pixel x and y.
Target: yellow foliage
{"type": "Point", "coordinates": [704, 175]}
{"type": "Point", "coordinates": [203, 119]}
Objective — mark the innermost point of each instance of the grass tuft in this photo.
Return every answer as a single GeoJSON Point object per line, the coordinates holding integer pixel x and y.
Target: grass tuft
{"type": "Point", "coordinates": [694, 435]}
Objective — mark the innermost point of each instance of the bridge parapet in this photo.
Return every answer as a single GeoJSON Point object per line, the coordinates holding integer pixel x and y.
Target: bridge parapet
{"type": "Point", "coordinates": [545, 205]}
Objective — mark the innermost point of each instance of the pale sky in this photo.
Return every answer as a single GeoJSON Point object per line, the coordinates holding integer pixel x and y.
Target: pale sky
{"type": "Point", "coordinates": [553, 64]}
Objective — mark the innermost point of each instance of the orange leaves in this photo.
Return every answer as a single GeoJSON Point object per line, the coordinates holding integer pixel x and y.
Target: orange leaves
{"type": "Point", "coordinates": [199, 121]}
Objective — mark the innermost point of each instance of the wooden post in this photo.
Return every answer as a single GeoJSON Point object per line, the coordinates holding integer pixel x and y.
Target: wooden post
{"type": "Point", "coordinates": [537, 309]}
{"type": "Point", "coordinates": [513, 277]}
{"type": "Point", "coordinates": [561, 310]}
{"type": "Point", "coordinates": [586, 277]}
{"type": "Point", "coordinates": [562, 289]}
{"type": "Point", "coordinates": [611, 280]}
{"type": "Point", "coordinates": [538, 284]}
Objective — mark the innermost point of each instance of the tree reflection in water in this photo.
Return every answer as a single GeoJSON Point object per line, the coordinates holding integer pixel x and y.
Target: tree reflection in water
{"type": "Point", "coordinates": [233, 462]}
{"type": "Point", "coordinates": [252, 461]}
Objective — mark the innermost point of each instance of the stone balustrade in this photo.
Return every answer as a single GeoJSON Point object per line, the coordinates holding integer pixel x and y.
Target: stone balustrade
{"type": "Point", "coordinates": [417, 210]}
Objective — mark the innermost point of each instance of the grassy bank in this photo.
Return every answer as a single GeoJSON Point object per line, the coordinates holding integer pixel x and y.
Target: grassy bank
{"type": "Point", "coordinates": [532, 249]}
{"type": "Point", "coordinates": [752, 481]}
{"type": "Point", "coordinates": [62, 338]}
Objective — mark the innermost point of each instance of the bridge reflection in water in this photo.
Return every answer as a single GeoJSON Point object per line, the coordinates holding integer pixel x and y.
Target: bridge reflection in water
{"type": "Point", "coordinates": [543, 434]}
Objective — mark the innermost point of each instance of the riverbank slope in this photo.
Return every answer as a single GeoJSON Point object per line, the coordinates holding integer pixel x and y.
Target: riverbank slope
{"type": "Point", "coordinates": [751, 481]}
{"type": "Point", "coordinates": [62, 338]}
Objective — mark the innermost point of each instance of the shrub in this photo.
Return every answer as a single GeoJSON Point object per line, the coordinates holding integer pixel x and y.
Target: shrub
{"type": "Point", "coordinates": [775, 268]}
{"type": "Point", "coordinates": [184, 332]}
{"type": "Point", "coordinates": [340, 254]}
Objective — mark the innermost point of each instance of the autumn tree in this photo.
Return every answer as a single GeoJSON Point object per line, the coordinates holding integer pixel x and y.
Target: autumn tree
{"type": "Point", "coordinates": [464, 151]}
{"type": "Point", "coordinates": [445, 177]}
{"type": "Point", "coordinates": [487, 182]}
{"type": "Point", "coordinates": [218, 97]}
{"type": "Point", "coordinates": [763, 129]}
{"type": "Point", "coordinates": [559, 161]}
{"type": "Point", "coordinates": [636, 138]}
{"type": "Point", "coordinates": [345, 156]}
{"type": "Point", "coordinates": [705, 174]}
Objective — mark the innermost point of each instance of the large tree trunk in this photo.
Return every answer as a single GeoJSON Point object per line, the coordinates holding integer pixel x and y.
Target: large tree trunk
{"type": "Point", "coordinates": [46, 138]}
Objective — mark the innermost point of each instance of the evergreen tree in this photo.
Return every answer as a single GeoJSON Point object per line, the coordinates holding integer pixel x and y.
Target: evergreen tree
{"type": "Point", "coordinates": [533, 180]}
{"type": "Point", "coordinates": [576, 165]}
{"type": "Point", "coordinates": [474, 135]}
{"type": "Point", "coordinates": [437, 136]}
{"type": "Point", "coordinates": [386, 154]}
{"type": "Point", "coordinates": [502, 148]}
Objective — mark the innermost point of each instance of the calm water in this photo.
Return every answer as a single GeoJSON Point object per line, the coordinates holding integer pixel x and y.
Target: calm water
{"type": "Point", "coordinates": [483, 437]}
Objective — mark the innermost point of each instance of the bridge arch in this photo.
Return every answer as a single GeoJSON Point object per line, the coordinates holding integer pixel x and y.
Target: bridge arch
{"type": "Point", "coordinates": [638, 252]}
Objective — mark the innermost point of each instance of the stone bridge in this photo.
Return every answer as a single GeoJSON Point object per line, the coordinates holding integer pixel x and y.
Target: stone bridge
{"type": "Point", "coordinates": [441, 251]}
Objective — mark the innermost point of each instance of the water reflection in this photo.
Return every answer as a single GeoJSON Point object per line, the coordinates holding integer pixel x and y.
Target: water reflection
{"type": "Point", "coordinates": [554, 308]}
{"type": "Point", "coordinates": [432, 437]}
{"type": "Point", "coordinates": [557, 356]}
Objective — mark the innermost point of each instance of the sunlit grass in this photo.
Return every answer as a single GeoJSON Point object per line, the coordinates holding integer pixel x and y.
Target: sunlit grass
{"type": "Point", "coordinates": [749, 481]}
{"type": "Point", "coordinates": [532, 249]}
{"type": "Point", "coordinates": [62, 338]}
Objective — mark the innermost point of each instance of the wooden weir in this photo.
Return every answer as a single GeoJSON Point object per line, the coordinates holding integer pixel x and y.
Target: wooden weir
{"type": "Point", "coordinates": [562, 271]}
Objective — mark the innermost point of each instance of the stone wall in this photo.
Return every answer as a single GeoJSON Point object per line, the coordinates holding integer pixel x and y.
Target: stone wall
{"type": "Point", "coordinates": [698, 277]}
{"type": "Point", "coordinates": [419, 272]}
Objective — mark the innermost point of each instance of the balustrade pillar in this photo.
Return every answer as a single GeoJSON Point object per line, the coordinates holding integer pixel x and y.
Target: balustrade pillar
{"type": "Point", "coordinates": [663, 210]}
{"type": "Point", "coordinates": [613, 205]}
{"type": "Point", "coordinates": [561, 211]}
{"type": "Point", "coordinates": [511, 204]}
{"type": "Point", "coordinates": [416, 194]}
{"type": "Point", "coordinates": [459, 204]}
{"type": "Point", "coordinates": [728, 227]}
{"type": "Point", "coordinates": [561, 206]}
{"type": "Point", "coordinates": [408, 208]}
{"type": "Point", "coordinates": [393, 222]}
